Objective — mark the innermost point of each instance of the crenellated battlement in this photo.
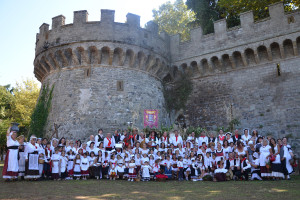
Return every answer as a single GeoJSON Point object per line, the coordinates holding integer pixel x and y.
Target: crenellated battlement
{"type": "Point", "coordinates": [251, 43]}
{"type": "Point", "coordinates": [105, 42]}
{"type": "Point", "coordinates": [105, 30]}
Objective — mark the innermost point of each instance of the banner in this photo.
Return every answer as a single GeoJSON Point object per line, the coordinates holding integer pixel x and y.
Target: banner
{"type": "Point", "coordinates": [150, 118]}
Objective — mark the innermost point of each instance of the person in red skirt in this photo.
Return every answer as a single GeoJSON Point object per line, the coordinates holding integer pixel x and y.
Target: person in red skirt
{"type": "Point", "coordinates": [84, 166]}
{"type": "Point", "coordinates": [132, 173]}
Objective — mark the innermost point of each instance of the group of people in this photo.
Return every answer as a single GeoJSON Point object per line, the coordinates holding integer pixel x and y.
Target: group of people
{"type": "Point", "coordinates": [134, 156]}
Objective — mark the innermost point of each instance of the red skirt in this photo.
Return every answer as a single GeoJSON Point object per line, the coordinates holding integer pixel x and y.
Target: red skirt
{"type": "Point", "coordinates": [71, 172]}
{"type": "Point", "coordinates": [85, 172]}
{"type": "Point", "coordinates": [131, 175]}
{"type": "Point", "coordinates": [5, 173]}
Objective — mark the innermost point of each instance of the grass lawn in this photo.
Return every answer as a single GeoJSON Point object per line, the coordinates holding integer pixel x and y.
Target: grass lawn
{"type": "Point", "coordinates": [93, 189]}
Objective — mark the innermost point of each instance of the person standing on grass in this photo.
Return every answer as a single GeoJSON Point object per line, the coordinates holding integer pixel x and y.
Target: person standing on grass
{"type": "Point", "coordinates": [286, 154]}
{"type": "Point", "coordinates": [11, 165]}
{"type": "Point", "coordinates": [32, 159]}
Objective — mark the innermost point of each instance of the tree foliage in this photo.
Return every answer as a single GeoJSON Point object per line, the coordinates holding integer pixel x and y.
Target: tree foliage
{"type": "Point", "coordinates": [259, 8]}
{"type": "Point", "coordinates": [17, 105]}
{"type": "Point", "coordinates": [174, 18]}
{"type": "Point", "coordinates": [41, 112]}
{"type": "Point", "coordinates": [207, 11]}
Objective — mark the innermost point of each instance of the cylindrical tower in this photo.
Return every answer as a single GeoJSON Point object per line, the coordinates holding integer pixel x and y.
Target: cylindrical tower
{"type": "Point", "coordinates": [105, 73]}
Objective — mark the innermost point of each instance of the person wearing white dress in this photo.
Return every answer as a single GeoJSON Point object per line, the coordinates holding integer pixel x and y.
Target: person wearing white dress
{"type": "Point", "coordinates": [264, 153]}
{"type": "Point", "coordinates": [146, 171]}
{"type": "Point", "coordinates": [11, 164]}
{"type": "Point", "coordinates": [32, 159]}
{"type": "Point", "coordinates": [55, 159]}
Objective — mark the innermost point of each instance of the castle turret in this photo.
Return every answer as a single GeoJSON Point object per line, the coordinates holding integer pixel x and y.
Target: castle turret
{"type": "Point", "coordinates": [105, 73]}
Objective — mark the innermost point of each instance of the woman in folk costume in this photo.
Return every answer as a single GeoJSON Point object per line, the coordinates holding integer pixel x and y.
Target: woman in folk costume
{"type": "Point", "coordinates": [21, 156]}
{"type": "Point", "coordinates": [246, 137]}
{"type": "Point", "coordinates": [152, 140]}
{"type": "Point", "coordinates": [265, 151]}
{"type": "Point", "coordinates": [31, 155]}
{"type": "Point", "coordinates": [11, 164]}
{"type": "Point", "coordinates": [32, 159]}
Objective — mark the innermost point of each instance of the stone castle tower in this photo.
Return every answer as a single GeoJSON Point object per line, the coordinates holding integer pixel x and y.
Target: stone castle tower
{"type": "Point", "coordinates": [106, 73]}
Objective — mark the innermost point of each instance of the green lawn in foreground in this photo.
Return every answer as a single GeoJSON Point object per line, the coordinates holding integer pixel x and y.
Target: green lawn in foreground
{"type": "Point", "coordinates": [104, 189]}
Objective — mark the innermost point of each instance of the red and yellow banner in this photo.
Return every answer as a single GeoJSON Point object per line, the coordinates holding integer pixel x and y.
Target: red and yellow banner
{"type": "Point", "coordinates": [150, 118]}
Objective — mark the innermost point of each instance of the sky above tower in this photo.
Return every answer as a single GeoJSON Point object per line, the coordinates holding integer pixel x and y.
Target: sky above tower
{"type": "Point", "coordinates": [20, 21]}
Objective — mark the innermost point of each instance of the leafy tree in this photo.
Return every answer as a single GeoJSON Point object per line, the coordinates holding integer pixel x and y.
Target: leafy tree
{"type": "Point", "coordinates": [16, 105]}
{"type": "Point", "coordinates": [25, 98]}
{"type": "Point", "coordinates": [259, 8]}
{"type": "Point", "coordinates": [174, 18]}
{"type": "Point", "coordinates": [207, 11]}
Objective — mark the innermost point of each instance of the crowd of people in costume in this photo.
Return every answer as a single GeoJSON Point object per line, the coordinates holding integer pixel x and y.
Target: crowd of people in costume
{"type": "Point", "coordinates": [135, 156]}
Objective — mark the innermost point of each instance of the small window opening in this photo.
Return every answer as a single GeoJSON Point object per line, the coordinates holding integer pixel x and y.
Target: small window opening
{"type": "Point", "coordinates": [87, 72]}
{"type": "Point", "coordinates": [291, 19]}
{"type": "Point", "coordinates": [120, 86]}
{"type": "Point", "coordinates": [278, 70]}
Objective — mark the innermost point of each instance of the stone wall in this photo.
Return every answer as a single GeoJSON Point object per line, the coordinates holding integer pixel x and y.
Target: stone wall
{"type": "Point", "coordinates": [82, 104]}
{"type": "Point", "coordinates": [256, 96]}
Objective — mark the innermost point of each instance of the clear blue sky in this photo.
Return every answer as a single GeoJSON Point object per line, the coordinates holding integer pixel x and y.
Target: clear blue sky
{"type": "Point", "coordinates": [20, 21]}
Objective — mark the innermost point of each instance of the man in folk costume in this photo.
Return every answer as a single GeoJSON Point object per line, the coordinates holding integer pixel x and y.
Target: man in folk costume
{"type": "Point", "coordinates": [165, 138]}
{"type": "Point", "coordinates": [109, 142]}
{"type": "Point", "coordinates": [135, 136]}
{"type": "Point", "coordinates": [117, 136]}
{"type": "Point", "coordinates": [32, 159]}
{"type": "Point", "coordinates": [176, 139]}
{"type": "Point", "coordinates": [99, 138]}
{"type": "Point", "coordinates": [236, 136]}
{"type": "Point", "coordinates": [212, 138]}
{"type": "Point", "coordinates": [201, 139]}
{"type": "Point", "coordinates": [11, 164]}
{"type": "Point", "coordinates": [221, 136]}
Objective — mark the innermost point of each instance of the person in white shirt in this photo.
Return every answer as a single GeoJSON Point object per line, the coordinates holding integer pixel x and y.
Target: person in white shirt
{"type": "Point", "coordinates": [92, 139]}
{"type": "Point", "coordinates": [201, 139]}
{"type": "Point", "coordinates": [109, 142]}
{"type": "Point", "coordinates": [246, 137]}
{"type": "Point", "coordinates": [176, 139]}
